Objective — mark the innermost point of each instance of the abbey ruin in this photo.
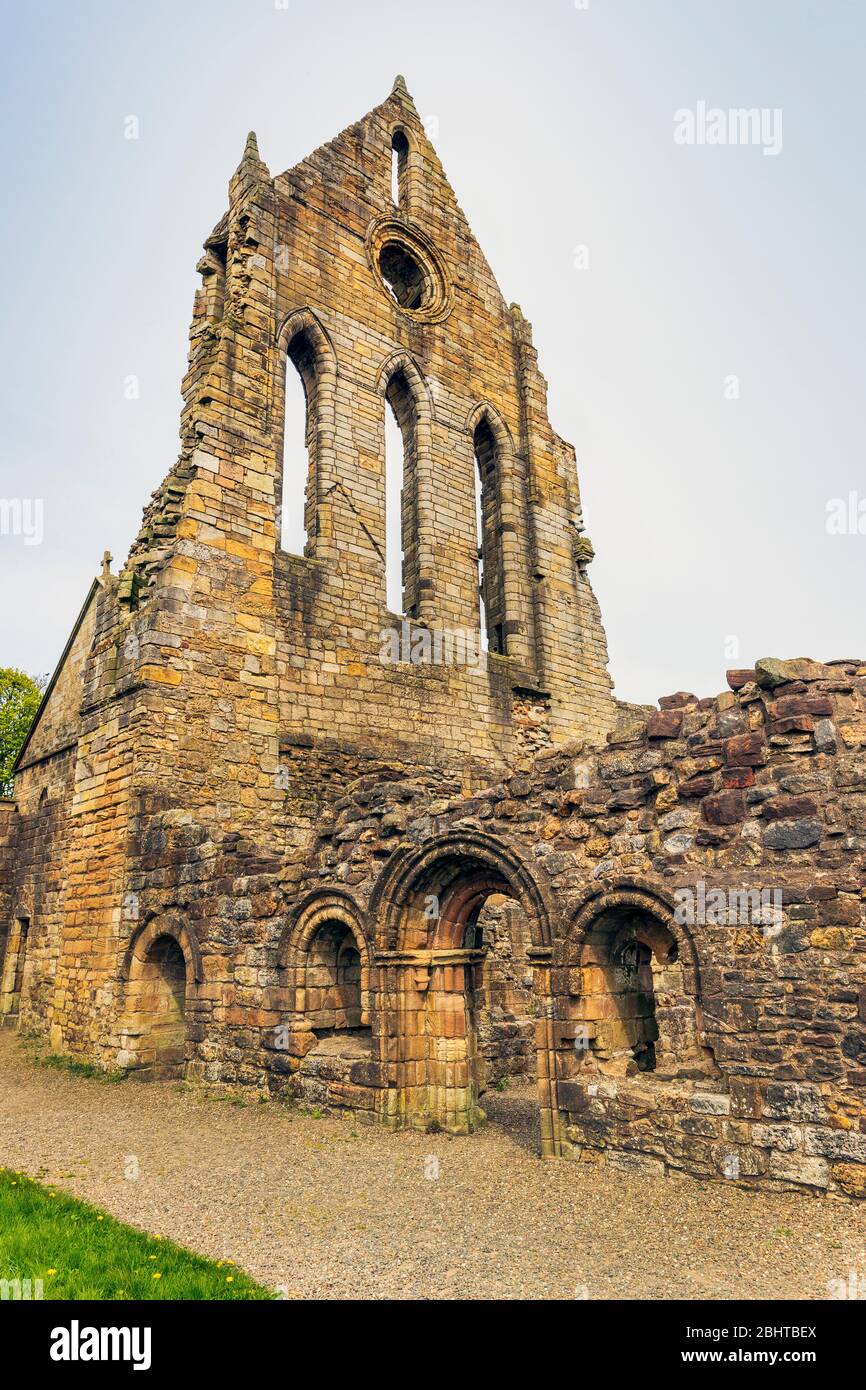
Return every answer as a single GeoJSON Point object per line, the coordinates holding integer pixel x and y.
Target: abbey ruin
{"type": "Point", "coordinates": [254, 842]}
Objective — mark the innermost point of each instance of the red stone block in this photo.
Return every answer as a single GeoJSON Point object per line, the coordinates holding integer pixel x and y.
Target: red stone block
{"type": "Point", "coordinates": [666, 724]}
{"type": "Point", "coordinates": [696, 786]}
{"type": "Point", "coordinates": [789, 808]}
{"type": "Point", "coordinates": [737, 679]}
{"type": "Point", "coordinates": [745, 750]}
{"type": "Point", "coordinates": [737, 777]}
{"type": "Point", "coordinates": [725, 808]}
{"type": "Point", "coordinates": [789, 705]}
{"type": "Point", "coordinates": [797, 724]}
{"type": "Point", "coordinates": [678, 701]}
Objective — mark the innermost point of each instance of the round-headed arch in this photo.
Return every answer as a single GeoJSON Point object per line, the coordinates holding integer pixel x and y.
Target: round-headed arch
{"type": "Point", "coordinates": [402, 362]}
{"type": "Point", "coordinates": [164, 924]}
{"type": "Point", "coordinates": [303, 342]}
{"type": "Point", "coordinates": [316, 910]}
{"type": "Point", "coordinates": [401, 384]}
{"type": "Point", "coordinates": [302, 339]}
{"type": "Point", "coordinates": [458, 870]}
{"type": "Point", "coordinates": [627, 896]}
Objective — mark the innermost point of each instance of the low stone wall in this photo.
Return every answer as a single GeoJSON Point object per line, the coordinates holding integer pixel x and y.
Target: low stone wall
{"type": "Point", "coordinates": [738, 825]}
{"type": "Point", "coordinates": [762, 1133]}
{"type": "Point", "coordinates": [667, 930]}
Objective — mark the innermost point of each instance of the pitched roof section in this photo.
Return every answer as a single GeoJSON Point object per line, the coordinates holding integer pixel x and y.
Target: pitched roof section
{"type": "Point", "coordinates": [65, 729]}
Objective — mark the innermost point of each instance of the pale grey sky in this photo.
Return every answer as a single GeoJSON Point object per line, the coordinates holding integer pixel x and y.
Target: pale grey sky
{"type": "Point", "coordinates": [653, 272]}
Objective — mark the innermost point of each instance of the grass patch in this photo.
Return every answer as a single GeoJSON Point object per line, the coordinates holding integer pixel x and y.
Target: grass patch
{"type": "Point", "coordinates": [89, 1070]}
{"type": "Point", "coordinates": [33, 1047]}
{"type": "Point", "coordinates": [81, 1252]}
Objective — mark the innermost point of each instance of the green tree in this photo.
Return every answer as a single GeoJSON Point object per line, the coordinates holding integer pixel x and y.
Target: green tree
{"type": "Point", "coordinates": [19, 700]}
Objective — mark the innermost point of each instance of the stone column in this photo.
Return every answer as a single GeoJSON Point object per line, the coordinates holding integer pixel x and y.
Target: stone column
{"type": "Point", "coordinates": [545, 1045]}
{"type": "Point", "coordinates": [429, 1041]}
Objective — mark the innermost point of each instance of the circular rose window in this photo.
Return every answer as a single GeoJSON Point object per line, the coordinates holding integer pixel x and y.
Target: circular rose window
{"type": "Point", "coordinates": [409, 269]}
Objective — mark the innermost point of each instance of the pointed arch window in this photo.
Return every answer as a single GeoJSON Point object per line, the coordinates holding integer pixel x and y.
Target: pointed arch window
{"type": "Point", "coordinates": [401, 533]}
{"type": "Point", "coordinates": [491, 586]}
{"type": "Point", "coordinates": [399, 165]}
{"type": "Point", "coordinates": [297, 512]}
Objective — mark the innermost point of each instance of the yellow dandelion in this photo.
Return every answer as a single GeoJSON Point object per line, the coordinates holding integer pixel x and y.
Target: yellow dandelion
{"type": "Point", "coordinates": [100, 1218]}
{"type": "Point", "coordinates": [156, 1274]}
{"type": "Point", "coordinates": [151, 1257]}
{"type": "Point", "coordinates": [230, 1278]}
{"type": "Point", "coordinates": [51, 1271]}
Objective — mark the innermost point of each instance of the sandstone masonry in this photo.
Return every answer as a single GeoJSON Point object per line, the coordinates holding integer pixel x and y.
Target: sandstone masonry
{"type": "Point", "coordinates": [247, 846]}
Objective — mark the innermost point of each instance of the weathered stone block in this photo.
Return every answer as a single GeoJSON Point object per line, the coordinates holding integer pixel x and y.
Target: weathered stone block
{"type": "Point", "coordinates": [709, 1103]}
{"type": "Point", "coordinates": [795, 834]}
{"type": "Point", "coordinates": [851, 1177]}
{"type": "Point", "coordinates": [745, 750]}
{"type": "Point", "coordinates": [798, 1168]}
{"type": "Point", "coordinates": [836, 1143]}
{"type": "Point", "coordinates": [667, 723]}
{"type": "Point", "coordinates": [725, 808]}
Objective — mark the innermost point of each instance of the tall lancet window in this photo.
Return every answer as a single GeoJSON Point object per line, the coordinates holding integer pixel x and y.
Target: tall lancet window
{"type": "Point", "coordinates": [297, 499]}
{"type": "Point", "coordinates": [401, 542]}
{"type": "Point", "coordinates": [489, 530]}
{"type": "Point", "coordinates": [399, 161]}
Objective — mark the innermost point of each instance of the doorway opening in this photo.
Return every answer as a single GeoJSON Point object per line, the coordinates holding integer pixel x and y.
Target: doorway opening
{"type": "Point", "coordinates": [157, 1007]}
{"type": "Point", "coordinates": [468, 1015]}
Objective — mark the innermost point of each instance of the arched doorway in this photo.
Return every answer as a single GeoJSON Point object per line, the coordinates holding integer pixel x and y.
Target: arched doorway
{"type": "Point", "coordinates": [159, 975]}
{"type": "Point", "coordinates": [449, 1006]}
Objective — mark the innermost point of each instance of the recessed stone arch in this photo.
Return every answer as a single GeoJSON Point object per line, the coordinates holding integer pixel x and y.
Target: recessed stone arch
{"type": "Point", "coordinates": [164, 924]}
{"type": "Point", "coordinates": [309, 913]}
{"type": "Point", "coordinates": [505, 546]}
{"type": "Point", "coordinates": [425, 910]}
{"type": "Point", "coordinates": [632, 985]}
{"type": "Point", "coordinates": [467, 863]}
{"type": "Point", "coordinates": [303, 319]}
{"type": "Point", "coordinates": [401, 153]}
{"type": "Point", "coordinates": [161, 968]}
{"type": "Point", "coordinates": [403, 361]}
{"type": "Point", "coordinates": [483, 410]}
{"type": "Point", "coordinates": [628, 893]}
{"type": "Point", "coordinates": [316, 914]}
{"type": "Point", "coordinates": [402, 387]}
{"type": "Point", "coordinates": [15, 934]}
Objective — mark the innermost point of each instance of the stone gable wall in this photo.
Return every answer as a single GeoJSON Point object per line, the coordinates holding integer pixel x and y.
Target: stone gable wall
{"type": "Point", "coordinates": [228, 764]}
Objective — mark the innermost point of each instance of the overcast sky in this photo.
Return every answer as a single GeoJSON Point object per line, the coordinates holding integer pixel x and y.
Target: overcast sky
{"type": "Point", "coordinates": [698, 308]}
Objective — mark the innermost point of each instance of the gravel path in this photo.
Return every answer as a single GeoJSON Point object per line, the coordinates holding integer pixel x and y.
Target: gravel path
{"type": "Point", "coordinates": [331, 1208]}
